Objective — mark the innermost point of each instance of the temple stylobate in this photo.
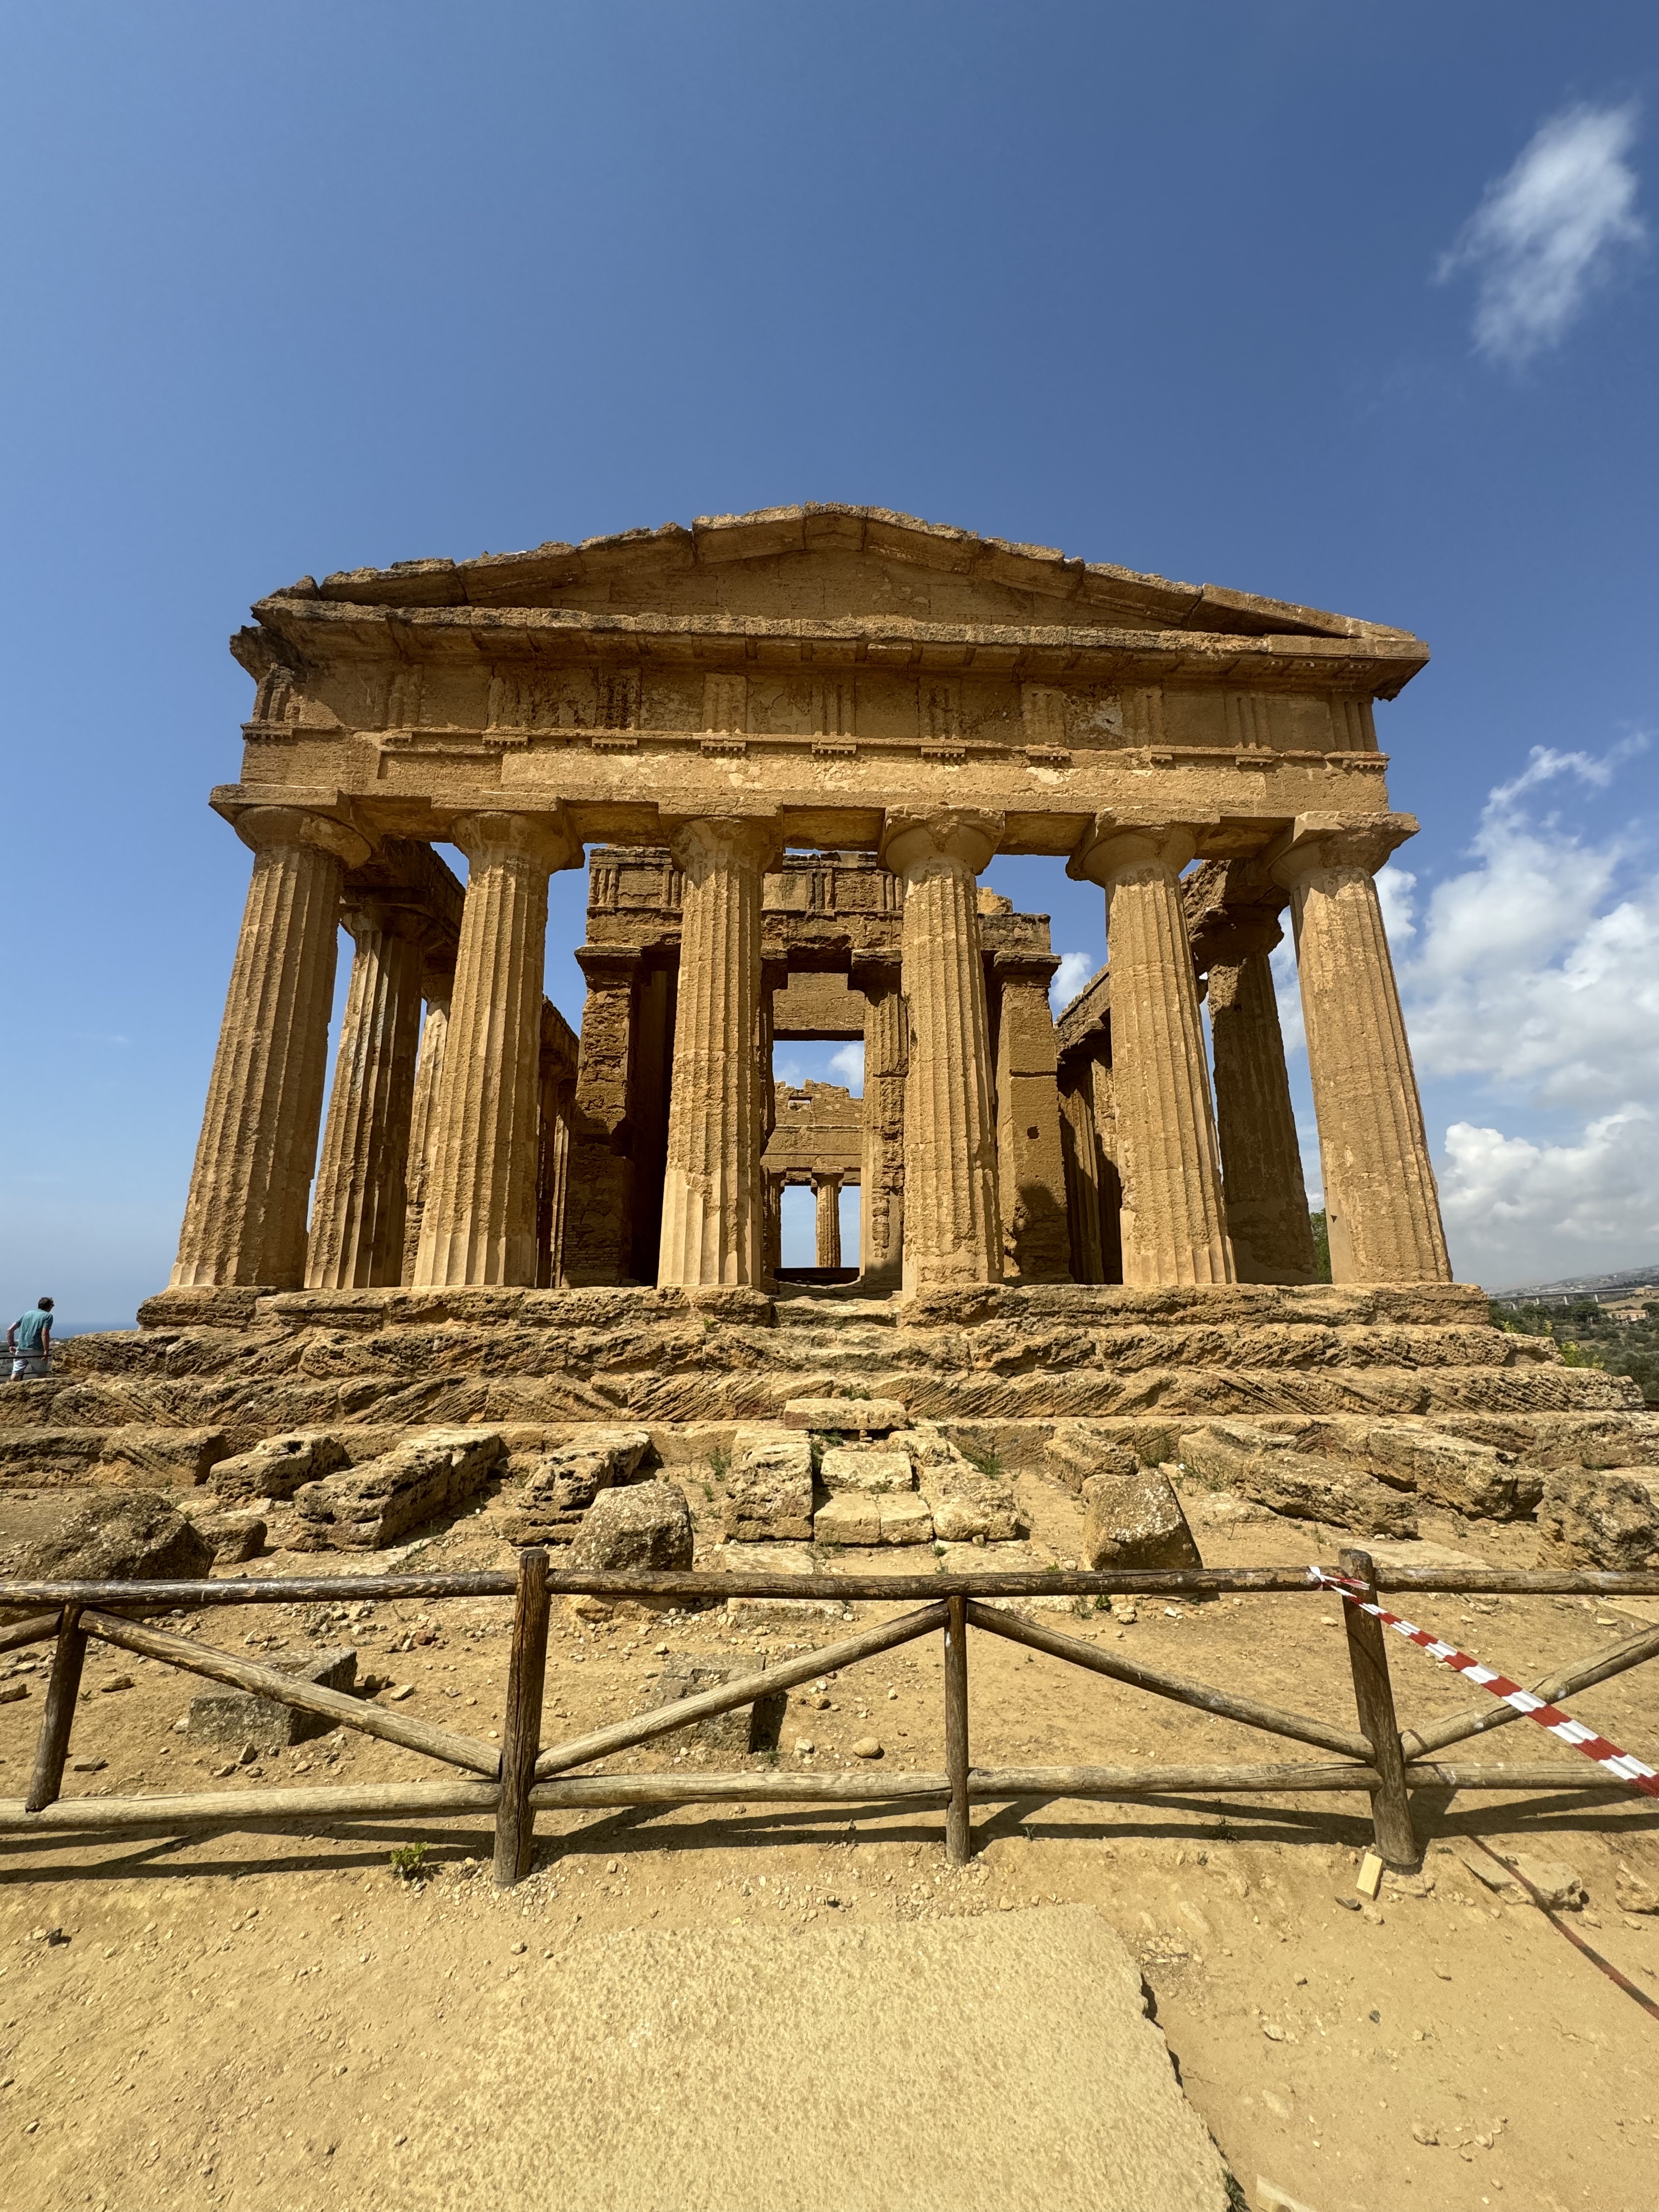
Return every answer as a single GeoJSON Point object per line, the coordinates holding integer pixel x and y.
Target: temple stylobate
{"type": "Point", "coordinates": [796, 739]}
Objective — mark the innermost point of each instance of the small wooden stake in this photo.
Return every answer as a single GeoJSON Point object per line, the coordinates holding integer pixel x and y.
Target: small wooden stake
{"type": "Point", "coordinates": [59, 1718]}
{"type": "Point", "coordinates": [959, 1838]}
{"type": "Point", "coordinates": [1373, 1696]}
{"type": "Point", "coordinates": [521, 1728]}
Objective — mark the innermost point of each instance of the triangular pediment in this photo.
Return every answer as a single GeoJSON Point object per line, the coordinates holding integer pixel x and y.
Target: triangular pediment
{"type": "Point", "coordinates": [826, 563]}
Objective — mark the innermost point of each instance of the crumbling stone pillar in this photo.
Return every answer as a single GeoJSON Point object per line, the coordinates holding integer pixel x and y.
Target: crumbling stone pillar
{"type": "Point", "coordinates": [479, 1221]}
{"type": "Point", "coordinates": [1172, 1223]}
{"type": "Point", "coordinates": [1381, 1204]}
{"type": "Point", "coordinates": [881, 1175]}
{"type": "Point", "coordinates": [826, 1189]}
{"type": "Point", "coordinates": [599, 1235]}
{"type": "Point", "coordinates": [953, 1233]}
{"type": "Point", "coordinates": [1262, 1185]}
{"type": "Point", "coordinates": [437, 984]}
{"type": "Point", "coordinates": [1031, 1167]}
{"type": "Point", "coordinates": [357, 1214]}
{"type": "Point", "coordinates": [711, 1206]}
{"type": "Point", "coordinates": [245, 1218]}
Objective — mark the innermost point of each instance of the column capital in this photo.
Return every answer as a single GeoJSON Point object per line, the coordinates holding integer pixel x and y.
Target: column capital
{"type": "Point", "coordinates": [1337, 840]}
{"type": "Point", "coordinates": [1112, 844]}
{"type": "Point", "coordinates": [269, 829]}
{"type": "Point", "coordinates": [910, 841]}
{"type": "Point", "coordinates": [704, 841]}
{"type": "Point", "coordinates": [1038, 967]}
{"type": "Point", "coordinates": [546, 840]}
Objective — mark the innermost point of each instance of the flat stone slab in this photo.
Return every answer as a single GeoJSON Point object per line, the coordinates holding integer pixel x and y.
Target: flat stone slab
{"type": "Point", "coordinates": [847, 1416]}
{"type": "Point", "coordinates": [959, 2065]}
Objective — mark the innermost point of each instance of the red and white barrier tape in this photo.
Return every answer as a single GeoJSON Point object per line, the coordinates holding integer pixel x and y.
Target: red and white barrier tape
{"type": "Point", "coordinates": [1548, 1718]}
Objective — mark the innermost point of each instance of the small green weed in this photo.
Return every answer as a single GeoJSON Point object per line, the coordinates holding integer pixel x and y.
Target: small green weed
{"type": "Point", "coordinates": [988, 1461]}
{"type": "Point", "coordinates": [720, 1463]}
{"type": "Point", "coordinates": [411, 1862]}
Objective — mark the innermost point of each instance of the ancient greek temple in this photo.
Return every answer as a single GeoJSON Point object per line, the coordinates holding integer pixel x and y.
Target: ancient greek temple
{"type": "Point", "coordinates": [786, 746]}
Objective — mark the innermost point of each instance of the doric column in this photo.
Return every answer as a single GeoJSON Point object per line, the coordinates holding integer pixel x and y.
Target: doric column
{"type": "Point", "coordinates": [712, 1211]}
{"type": "Point", "coordinates": [881, 1174]}
{"type": "Point", "coordinates": [1262, 1185]}
{"type": "Point", "coordinates": [479, 1221]}
{"type": "Point", "coordinates": [826, 1189]}
{"type": "Point", "coordinates": [357, 1211]}
{"type": "Point", "coordinates": [437, 984]}
{"type": "Point", "coordinates": [245, 1219]}
{"type": "Point", "coordinates": [953, 1234]}
{"type": "Point", "coordinates": [1381, 1203]}
{"type": "Point", "coordinates": [1173, 1227]}
{"type": "Point", "coordinates": [1031, 1167]}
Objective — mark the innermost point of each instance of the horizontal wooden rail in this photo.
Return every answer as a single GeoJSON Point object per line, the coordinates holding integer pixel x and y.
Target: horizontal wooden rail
{"type": "Point", "coordinates": [713, 1589]}
{"type": "Point", "coordinates": [1292, 1777]}
{"type": "Point", "coordinates": [402, 1728]}
{"type": "Point", "coordinates": [1525, 1774]}
{"type": "Point", "coordinates": [242, 1809]}
{"type": "Point", "coordinates": [662, 1720]}
{"type": "Point", "coordinates": [36, 1630]}
{"type": "Point", "coordinates": [575, 1791]}
{"type": "Point", "coordinates": [1565, 1682]}
{"type": "Point", "coordinates": [1300, 1728]}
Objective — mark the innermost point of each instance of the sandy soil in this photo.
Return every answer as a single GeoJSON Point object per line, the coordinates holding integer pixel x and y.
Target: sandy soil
{"type": "Point", "coordinates": [246, 2019]}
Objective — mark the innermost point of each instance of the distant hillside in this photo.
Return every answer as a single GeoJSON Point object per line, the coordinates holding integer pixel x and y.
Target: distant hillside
{"type": "Point", "coordinates": [1584, 1286]}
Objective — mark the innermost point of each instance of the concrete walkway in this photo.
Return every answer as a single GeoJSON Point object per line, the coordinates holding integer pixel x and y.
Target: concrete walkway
{"type": "Point", "coordinates": [969, 2065]}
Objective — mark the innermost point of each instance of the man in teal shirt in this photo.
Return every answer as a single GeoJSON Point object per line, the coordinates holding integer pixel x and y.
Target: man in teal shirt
{"type": "Point", "coordinates": [29, 1342]}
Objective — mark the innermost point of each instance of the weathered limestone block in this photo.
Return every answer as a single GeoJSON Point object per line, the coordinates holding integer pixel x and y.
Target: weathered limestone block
{"type": "Point", "coordinates": [129, 1536]}
{"type": "Point", "coordinates": [152, 1458]}
{"type": "Point", "coordinates": [233, 1537]}
{"type": "Point", "coordinates": [276, 1466]}
{"type": "Point", "coordinates": [871, 1516]}
{"type": "Point", "coordinates": [561, 1484]}
{"type": "Point", "coordinates": [853, 1466]}
{"type": "Point", "coordinates": [1381, 1203]}
{"type": "Point", "coordinates": [1302, 1486]}
{"type": "Point", "coordinates": [1608, 1519]}
{"type": "Point", "coordinates": [768, 1486]}
{"type": "Point", "coordinates": [969, 1506]}
{"type": "Point", "coordinates": [234, 1717]}
{"type": "Point", "coordinates": [1173, 1226]}
{"type": "Point", "coordinates": [745, 1730]}
{"type": "Point", "coordinates": [245, 1218]}
{"type": "Point", "coordinates": [1077, 1452]}
{"type": "Point", "coordinates": [953, 1225]}
{"type": "Point", "coordinates": [1135, 1521]}
{"type": "Point", "coordinates": [645, 1528]}
{"type": "Point", "coordinates": [368, 1507]}
{"type": "Point", "coordinates": [1472, 1478]}
{"type": "Point", "coordinates": [847, 1416]}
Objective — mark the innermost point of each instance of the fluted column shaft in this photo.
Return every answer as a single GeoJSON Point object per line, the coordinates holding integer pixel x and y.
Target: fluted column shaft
{"type": "Point", "coordinates": [712, 1204]}
{"type": "Point", "coordinates": [1262, 1185]}
{"type": "Point", "coordinates": [1030, 1166]}
{"type": "Point", "coordinates": [438, 985]}
{"type": "Point", "coordinates": [952, 1229]}
{"type": "Point", "coordinates": [881, 1174]}
{"type": "Point", "coordinates": [357, 1214]}
{"type": "Point", "coordinates": [478, 1224]}
{"type": "Point", "coordinates": [245, 1218]}
{"type": "Point", "coordinates": [1381, 1204]}
{"type": "Point", "coordinates": [827, 1191]}
{"type": "Point", "coordinates": [1173, 1229]}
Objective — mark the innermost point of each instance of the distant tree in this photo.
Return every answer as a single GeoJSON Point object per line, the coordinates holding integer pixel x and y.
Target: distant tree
{"type": "Point", "coordinates": [1321, 1237]}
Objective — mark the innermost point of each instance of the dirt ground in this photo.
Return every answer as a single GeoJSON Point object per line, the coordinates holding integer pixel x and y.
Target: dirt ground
{"type": "Point", "coordinates": [248, 2019]}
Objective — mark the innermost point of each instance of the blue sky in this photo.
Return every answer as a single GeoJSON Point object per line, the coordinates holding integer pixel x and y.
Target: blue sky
{"type": "Point", "coordinates": [1289, 297]}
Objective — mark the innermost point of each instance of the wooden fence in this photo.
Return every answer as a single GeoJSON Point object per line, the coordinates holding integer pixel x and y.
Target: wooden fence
{"type": "Point", "coordinates": [518, 1778]}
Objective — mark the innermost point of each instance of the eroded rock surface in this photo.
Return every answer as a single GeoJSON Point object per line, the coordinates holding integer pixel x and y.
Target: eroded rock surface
{"type": "Point", "coordinates": [770, 1486]}
{"type": "Point", "coordinates": [562, 1484]}
{"type": "Point", "coordinates": [276, 1466]}
{"type": "Point", "coordinates": [1606, 1519]}
{"type": "Point", "coordinates": [1135, 1521]}
{"type": "Point", "coordinates": [365, 1507]}
{"type": "Point", "coordinates": [125, 1535]}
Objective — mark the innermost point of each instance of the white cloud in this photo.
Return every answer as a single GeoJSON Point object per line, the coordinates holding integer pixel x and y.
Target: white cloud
{"type": "Point", "coordinates": [1549, 232]}
{"type": "Point", "coordinates": [1519, 1211]}
{"type": "Point", "coordinates": [1074, 970]}
{"type": "Point", "coordinates": [847, 1062]}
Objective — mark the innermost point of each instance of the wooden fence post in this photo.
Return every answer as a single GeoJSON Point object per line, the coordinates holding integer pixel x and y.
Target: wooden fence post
{"type": "Point", "coordinates": [62, 1691]}
{"type": "Point", "coordinates": [959, 1841]}
{"type": "Point", "coordinates": [1396, 1841]}
{"type": "Point", "coordinates": [521, 1726]}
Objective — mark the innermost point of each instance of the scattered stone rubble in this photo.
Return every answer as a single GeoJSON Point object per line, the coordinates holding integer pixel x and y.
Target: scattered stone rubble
{"type": "Point", "coordinates": [276, 1466]}
{"type": "Point", "coordinates": [560, 1485]}
{"type": "Point", "coordinates": [368, 1507]}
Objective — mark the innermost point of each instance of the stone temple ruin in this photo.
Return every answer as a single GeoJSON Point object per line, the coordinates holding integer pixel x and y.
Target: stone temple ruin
{"type": "Point", "coordinates": [789, 744]}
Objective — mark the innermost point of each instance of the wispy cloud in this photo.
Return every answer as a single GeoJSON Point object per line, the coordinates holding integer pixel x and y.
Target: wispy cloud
{"type": "Point", "coordinates": [1074, 972]}
{"type": "Point", "coordinates": [1548, 232]}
